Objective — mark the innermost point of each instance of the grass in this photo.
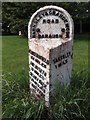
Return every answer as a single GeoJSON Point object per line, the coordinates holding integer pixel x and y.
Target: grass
{"type": "Point", "coordinates": [0, 75]}
{"type": "Point", "coordinates": [71, 102]}
{"type": "Point", "coordinates": [80, 51]}
{"type": "Point", "coordinates": [0, 54]}
{"type": "Point", "coordinates": [15, 54]}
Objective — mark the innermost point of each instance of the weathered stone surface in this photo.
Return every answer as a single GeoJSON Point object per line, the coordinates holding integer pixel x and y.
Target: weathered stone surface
{"type": "Point", "coordinates": [50, 22]}
{"type": "Point", "coordinates": [50, 34]}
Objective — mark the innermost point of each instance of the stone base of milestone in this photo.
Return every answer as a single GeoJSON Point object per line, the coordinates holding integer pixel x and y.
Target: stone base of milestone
{"type": "Point", "coordinates": [50, 62]}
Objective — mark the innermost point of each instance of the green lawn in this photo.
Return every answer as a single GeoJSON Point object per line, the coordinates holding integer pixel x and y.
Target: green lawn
{"type": "Point", "coordinates": [0, 54]}
{"type": "Point", "coordinates": [71, 102]}
{"type": "Point", "coordinates": [15, 53]}
{"type": "Point", "coordinates": [80, 51]}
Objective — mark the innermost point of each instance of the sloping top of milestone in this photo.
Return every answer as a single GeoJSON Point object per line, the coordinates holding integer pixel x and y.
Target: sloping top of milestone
{"type": "Point", "coordinates": [51, 22]}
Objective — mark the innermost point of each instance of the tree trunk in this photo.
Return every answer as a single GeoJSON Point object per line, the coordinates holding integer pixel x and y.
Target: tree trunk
{"type": "Point", "coordinates": [80, 26]}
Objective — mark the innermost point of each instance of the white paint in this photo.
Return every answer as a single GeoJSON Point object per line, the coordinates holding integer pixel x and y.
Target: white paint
{"type": "Point", "coordinates": [20, 33]}
{"type": "Point", "coordinates": [50, 59]}
{"type": "Point", "coordinates": [45, 28]}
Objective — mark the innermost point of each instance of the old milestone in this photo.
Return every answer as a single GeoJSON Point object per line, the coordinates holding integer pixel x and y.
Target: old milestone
{"type": "Point", "coordinates": [50, 40]}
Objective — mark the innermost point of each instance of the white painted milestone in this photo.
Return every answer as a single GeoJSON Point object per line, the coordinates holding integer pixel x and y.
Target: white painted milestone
{"type": "Point", "coordinates": [50, 39]}
{"type": "Point", "coordinates": [20, 33]}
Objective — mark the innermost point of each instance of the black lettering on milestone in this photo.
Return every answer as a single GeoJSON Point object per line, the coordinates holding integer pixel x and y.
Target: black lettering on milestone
{"type": "Point", "coordinates": [67, 34]}
{"type": "Point", "coordinates": [56, 66]}
{"type": "Point", "coordinates": [34, 26]}
{"type": "Point", "coordinates": [65, 61]}
{"type": "Point", "coordinates": [59, 65]}
{"type": "Point", "coordinates": [60, 15]}
{"type": "Point", "coordinates": [63, 30]}
{"type": "Point", "coordinates": [48, 20]}
{"type": "Point", "coordinates": [33, 32]}
{"type": "Point", "coordinates": [35, 82]}
{"type": "Point", "coordinates": [31, 52]}
{"type": "Point", "coordinates": [41, 87]}
{"type": "Point", "coordinates": [40, 70]}
{"type": "Point", "coordinates": [69, 53]}
{"type": "Point", "coordinates": [35, 22]}
{"type": "Point", "coordinates": [38, 30]}
{"type": "Point", "coordinates": [47, 62]}
{"type": "Point", "coordinates": [52, 21]}
{"type": "Point", "coordinates": [44, 91]}
{"type": "Point", "coordinates": [53, 36]}
{"type": "Point", "coordinates": [40, 82]}
{"type": "Point", "coordinates": [31, 73]}
{"type": "Point", "coordinates": [36, 72]}
{"type": "Point", "coordinates": [56, 35]}
{"type": "Point", "coordinates": [40, 16]}
{"type": "Point", "coordinates": [54, 61]}
{"type": "Point", "coordinates": [43, 14]}
{"type": "Point", "coordinates": [32, 64]}
{"type": "Point", "coordinates": [46, 35]}
{"type": "Point", "coordinates": [43, 65]}
{"type": "Point", "coordinates": [56, 21]}
{"type": "Point", "coordinates": [39, 57]}
{"type": "Point", "coordinates": [34, 77]}
{"type": "Point", "coordinates": [34, 86]}
{"type": "Point", "coordinates": [33, 29]}
{"type": "Point", "coordinates": [50, 12]}
{"type": "Point", "coordinates": [66, 55]}
{"type": "Point", "coordinates": [41, 77]}
{"type": "Point", "coordinates": [54, 12]}
{"type": "Point", "coordinates": [65, 21]}
{"type": "Point", "coordinates": [58, 58]}
{"type": "Point", "coordinates": [36, 67]}
{"type": "Point", "coordinates": [63, 18]}
{"type": "Point", "coordinates": [43, 59]}
{"type": "Point", "coordinates": [42, 35]}
{"type": "Point", "coordinates": [45, 74]}
{"type": "Point", "coordinates": [67, 25]}
{"type": "Point", "coordinates": [72, 56]}
{"type": "Point", "coordinates": [37, 61]}
{"type": "Point", "coordinates": [57, 13]}
{"type": "Point", "coordinates": [32, 57]}
{"type": "Point", "coordinates": [46, 13]}
{"type": "Point", "coordinates": [67, 29]}
{"type": "Point", "coordinates": [63, 56]}
{"type": "Point", "coordinates": [44, 21]}
{"type": "Point", "coordinates": [39, 36]}
{"type": "Point", "coordinates": [50, 36]}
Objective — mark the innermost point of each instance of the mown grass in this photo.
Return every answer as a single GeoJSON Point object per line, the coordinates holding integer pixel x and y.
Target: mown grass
{"type": "Point", "coordinates": [80, 52]}
{"type": "Point", "coordinates": [15, 53]}
{"type": "Point", "coordinates": [71, 102]}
